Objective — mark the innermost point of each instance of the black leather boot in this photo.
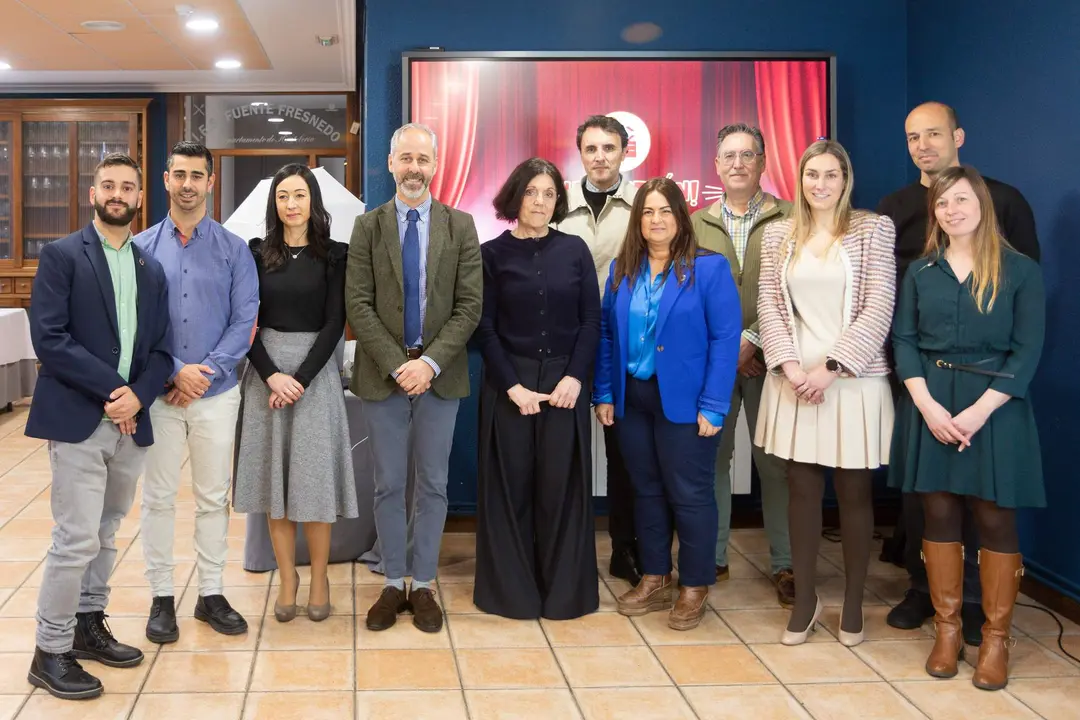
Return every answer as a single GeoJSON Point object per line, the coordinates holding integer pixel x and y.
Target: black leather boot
{"type": "Point", "coordinates": [161, 627]}
{"type": "Point", "coordinates": [94, 641]}
{"type": "Point", "coordinates": [61, 675]}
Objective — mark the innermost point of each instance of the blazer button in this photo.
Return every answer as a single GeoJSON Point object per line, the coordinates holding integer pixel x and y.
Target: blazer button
{"type": "Point", "coordinates": [116, 351]}
{"type": "Point", "coordinates": [399, 308]}
{"type": "Point", "coordinates": [659, 348]}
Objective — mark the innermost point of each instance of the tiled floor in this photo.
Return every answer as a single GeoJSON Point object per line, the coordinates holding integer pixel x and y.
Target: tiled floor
{"type": "Point", "coordinates": [602, 666]}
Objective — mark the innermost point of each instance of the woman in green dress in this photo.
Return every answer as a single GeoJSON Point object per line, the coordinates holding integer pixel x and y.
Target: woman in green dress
{"type": "Point", "coordinates": [967, 337]}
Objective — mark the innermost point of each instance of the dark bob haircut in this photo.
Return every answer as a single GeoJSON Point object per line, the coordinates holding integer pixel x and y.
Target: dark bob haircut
{"type": "Point", "coordinates": [508, 200]}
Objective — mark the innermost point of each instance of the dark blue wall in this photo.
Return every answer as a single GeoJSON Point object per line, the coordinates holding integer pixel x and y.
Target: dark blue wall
{"type": "Point", "coordinates": [1012, 76]}
{"type": "Point", "coordinates": [155, 187]}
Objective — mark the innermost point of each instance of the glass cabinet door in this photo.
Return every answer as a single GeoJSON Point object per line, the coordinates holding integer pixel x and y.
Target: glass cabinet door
{"type": "Point", "coordinates": [46, 188]}
{"type": "Point", "coordinates": [96, 140]}
{"type": "Point", "coordinates": [7, 214]}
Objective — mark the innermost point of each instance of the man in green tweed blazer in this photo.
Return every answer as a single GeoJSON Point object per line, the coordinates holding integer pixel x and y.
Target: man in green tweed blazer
{"type": "Point", "coordinates": [413, 295]}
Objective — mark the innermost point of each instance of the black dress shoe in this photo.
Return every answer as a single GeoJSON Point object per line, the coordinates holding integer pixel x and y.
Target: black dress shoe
{"type": "Point", "coordinates": [215, 610]}
{"type": "Point", "coordinates": [61, 675]}
{"type": "Point", "coordinates": [161, 627]}
{"type": "Point", "coordinates": [972, 618]}
{"type": "Point", "coordinates": [94, 641]}
{"type": "Point", "coordinates": [624, 566]}
{"type": "Point", "coordinates": [912, 611]}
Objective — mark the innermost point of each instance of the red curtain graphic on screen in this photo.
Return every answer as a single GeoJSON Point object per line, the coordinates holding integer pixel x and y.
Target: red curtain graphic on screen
{"type": "Point", "coordinates": [490, 115]}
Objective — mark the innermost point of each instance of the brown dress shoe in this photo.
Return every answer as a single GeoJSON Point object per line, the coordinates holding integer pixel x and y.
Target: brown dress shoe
{"type": "Point", "coordinates": [383, 614]}
{"type": "Point", "coordinates": [722, 573]}
{"type": "Point", "coordinates": [689, 608]}
{"type": "Point", "coordinates": [427, 615]}
{"type": "Point", "coordinates": [651, 594]}
{"type": "Point", "coordinates": [785, 587]}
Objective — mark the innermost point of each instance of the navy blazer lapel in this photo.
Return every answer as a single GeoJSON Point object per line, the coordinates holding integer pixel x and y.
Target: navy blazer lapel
{"type": "Point", "coordinates": [94, 251]}
{"type": "Point", "coordinates": [672, 290]}
{"type": "Point", "coordinates": [144, 298]}
{"type": "Point", "coordinates": [390, 237]}
{"type": "Point", "coordinates": [438, 237]}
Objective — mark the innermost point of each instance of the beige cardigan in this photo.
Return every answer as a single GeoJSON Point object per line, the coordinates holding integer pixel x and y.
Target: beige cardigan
{"type": "Point", "coordinates": [867, 251]}
{"type": "Point", "coordinates": [605, 235]}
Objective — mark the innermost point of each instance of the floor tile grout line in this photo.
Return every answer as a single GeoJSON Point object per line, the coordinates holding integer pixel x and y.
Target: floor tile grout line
{"type": "Point", "coordinates": [355, 643]}
{"type": "Point", "coordinates": [453, 653]}
{"type": "Point", "coordinates": [562, 670]}
{"type": "Point", "coordinates": [258, 642]}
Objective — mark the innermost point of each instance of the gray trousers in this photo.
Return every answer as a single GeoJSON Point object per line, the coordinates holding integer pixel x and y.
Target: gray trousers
{"type": "Point", "coordinates": [771, 470]}
{"type": "Point", "coordinates": [427, 422]}
{"type": "Point", "coordinates": [93, 487]}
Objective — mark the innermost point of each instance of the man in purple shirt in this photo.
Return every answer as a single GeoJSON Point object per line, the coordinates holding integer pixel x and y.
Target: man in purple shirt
{"type": "Point", "coordinates": [213, 305]}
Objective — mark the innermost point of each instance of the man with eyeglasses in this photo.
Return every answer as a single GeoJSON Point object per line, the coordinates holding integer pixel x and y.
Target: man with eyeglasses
{"type": "Point", "coordinates": [934, 138]}
{"type": "Point", "coordinates": [734, 226]}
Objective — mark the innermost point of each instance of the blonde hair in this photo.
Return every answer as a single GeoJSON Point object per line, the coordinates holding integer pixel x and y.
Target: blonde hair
{"type": "Point", "coordinates": [987, 245]}
{"type": "Point", "coordinates": [803, 222]}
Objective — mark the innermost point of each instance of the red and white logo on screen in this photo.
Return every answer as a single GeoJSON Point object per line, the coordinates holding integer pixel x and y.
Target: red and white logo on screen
{"type": "Point", "coordinates": [637, 149]}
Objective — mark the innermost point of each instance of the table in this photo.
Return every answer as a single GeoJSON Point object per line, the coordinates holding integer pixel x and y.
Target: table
{"type": "Point", "coordinates": [18, 362]}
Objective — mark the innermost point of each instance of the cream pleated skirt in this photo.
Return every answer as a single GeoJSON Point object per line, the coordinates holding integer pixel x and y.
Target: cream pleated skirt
{"type": "Point", "coordinates": [852, 428]}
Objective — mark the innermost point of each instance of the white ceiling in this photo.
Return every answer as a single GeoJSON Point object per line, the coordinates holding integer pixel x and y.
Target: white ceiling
{"type": "Point", "coordinates": [286, 30]}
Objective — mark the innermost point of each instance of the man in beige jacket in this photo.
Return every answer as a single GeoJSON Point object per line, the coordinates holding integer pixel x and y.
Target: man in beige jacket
{"type": "Point", "coordinates": [599, 213]}
{"type": "Point", "coordinates": [734, 226]}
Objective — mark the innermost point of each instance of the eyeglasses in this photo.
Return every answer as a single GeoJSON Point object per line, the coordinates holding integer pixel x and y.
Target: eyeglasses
{"type": "Point", "coordinates": [748, 157]}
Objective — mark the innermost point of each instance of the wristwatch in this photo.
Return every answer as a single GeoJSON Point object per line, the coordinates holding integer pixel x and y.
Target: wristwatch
{"type": "Point", "coordinates": [833, 366]}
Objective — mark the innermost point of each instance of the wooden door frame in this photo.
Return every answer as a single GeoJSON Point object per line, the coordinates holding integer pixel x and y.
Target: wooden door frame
{"type": "Point", "coordinates": [14, 191]}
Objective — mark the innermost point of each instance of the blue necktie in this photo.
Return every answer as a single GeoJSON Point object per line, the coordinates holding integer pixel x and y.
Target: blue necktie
{"type": "Point", "coordinates": [410, 271]}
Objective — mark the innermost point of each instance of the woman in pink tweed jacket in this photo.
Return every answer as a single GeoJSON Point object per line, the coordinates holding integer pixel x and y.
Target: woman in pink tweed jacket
{"type": "Point", "coordinates": [827, 288]}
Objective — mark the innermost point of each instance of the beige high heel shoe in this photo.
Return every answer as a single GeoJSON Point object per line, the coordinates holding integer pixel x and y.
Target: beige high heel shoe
{"type": "Point", "coordinates": [798, 638]}
{"type": "Point", "coordinates": [318, 613]}
{"type": "Point", "coordinates": [285, 613]}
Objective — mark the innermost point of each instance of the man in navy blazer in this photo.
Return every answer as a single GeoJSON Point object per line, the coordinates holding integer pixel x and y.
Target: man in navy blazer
{"type": "Point", "coordinates": [99, 321]}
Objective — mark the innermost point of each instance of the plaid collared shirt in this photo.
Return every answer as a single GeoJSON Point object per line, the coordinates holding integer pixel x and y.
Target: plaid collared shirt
{"type": "Point", "coordinates": [739, 226]}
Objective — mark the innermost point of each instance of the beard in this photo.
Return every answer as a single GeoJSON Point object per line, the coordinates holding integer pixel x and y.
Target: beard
{"type": "Point", "coordinates": [412, 194]}
{"type": "Point", "coordinates": [107, 213]}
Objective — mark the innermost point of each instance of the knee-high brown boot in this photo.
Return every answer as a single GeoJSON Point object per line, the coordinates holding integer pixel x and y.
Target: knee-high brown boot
{"type": "Point", "coordinates": [1000, 574]}
{"type": "Point", "coordinates": [945, 574]}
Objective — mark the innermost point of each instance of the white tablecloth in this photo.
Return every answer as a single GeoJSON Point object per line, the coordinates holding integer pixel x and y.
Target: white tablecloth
{"type": "Point", "coordinates": [18, 363]}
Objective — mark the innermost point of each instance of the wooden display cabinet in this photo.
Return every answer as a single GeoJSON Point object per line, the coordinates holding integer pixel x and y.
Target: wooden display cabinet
{"type": "Point", "coordinates": [48, 152]}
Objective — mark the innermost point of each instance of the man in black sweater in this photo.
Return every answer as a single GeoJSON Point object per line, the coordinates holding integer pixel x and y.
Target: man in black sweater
{"type": "Point", "coordinates": [934, 138]}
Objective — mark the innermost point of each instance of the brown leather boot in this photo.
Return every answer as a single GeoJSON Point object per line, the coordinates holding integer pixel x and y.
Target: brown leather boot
{"type": "Point", "coordinates": [1000, 574]}
{"type": "Point", "coordinates": [651, 594]}
{"type": "Point", "coordinates": [689, 608]}
{"type": "Point", "coordinates": [945, 574]}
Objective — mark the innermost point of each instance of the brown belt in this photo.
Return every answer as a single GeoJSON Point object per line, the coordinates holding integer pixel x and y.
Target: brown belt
{"type": "Point", "coordinates": [415, 353]}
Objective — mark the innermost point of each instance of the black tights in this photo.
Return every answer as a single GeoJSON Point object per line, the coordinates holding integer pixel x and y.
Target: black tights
{"type": "Point", "coordinates": [855, 494]}
{"type": "Point", "coordinates": [944, 514]}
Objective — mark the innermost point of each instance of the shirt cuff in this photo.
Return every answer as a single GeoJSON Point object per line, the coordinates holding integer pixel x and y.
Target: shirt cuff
{"type": "Point", "coordinates": [715, 419]}
{"type": "Point", "coordinates": [606, 399]}
{"type": "Point", "coordinates": [434, 365]}
{"type": "Point", "coordinates": [752, 337]}
{"type": "Point", "coordinates": [178, 365]}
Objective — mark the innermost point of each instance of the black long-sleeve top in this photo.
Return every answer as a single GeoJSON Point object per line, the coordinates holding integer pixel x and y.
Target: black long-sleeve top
{"type": "Point", "coordinates": [306, 294]}
{"type": "Point", "coordinates": [908, 210]}
{"type": "Point", "coordinates": [541, 301]}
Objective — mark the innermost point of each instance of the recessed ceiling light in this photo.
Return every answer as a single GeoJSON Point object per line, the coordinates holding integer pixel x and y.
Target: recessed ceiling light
{"type": "Point", "coordinates": [228, 64]}
{"type": "Point", "coordinates": [103, 25]}
{"type": "Point", "coordinates": [284, 132]}
{"type": "Point", "coordinates": [290, 139]}
{"type": "Point", "coordinates": [259, 104]}
{"type": "Point", "coordinates": [275, 120]}
{"type": "Point", "coordinates": [4, 65]}
{"type": "Point", "coordinates": [202, 24]}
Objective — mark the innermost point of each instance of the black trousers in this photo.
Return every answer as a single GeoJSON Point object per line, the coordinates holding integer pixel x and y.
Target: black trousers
{"type": "Point", "coordinates": [535, 536]}
{"type": "Point", "coordinates": [620, 496]}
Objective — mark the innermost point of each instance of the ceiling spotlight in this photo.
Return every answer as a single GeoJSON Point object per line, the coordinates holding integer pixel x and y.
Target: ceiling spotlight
{"type": "Point", "coordinates": [284, 132]}
{"type": "Point", "coordinates": [290, 139]}
{"type": "Point", "coordinates": [228, 64]}
{"type": "Point", "coordinates": [275, 120]}
{"type": "Point", "coordinates": [204, 25]}
{"type": "Point", "coordinates": [103, 25]}
{"type": "Point", "coordinates": [4, 65]}
{"type": "Point", "coordinates": [260, 104]}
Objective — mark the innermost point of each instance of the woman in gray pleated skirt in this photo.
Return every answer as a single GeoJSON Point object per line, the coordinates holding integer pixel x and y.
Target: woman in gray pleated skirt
{"type": "Point", "coordinates": [294, 461]}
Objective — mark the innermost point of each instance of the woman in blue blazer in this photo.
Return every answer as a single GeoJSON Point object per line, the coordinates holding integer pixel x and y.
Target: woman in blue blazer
{"type": "Point", "coordinates": [669, 346]}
